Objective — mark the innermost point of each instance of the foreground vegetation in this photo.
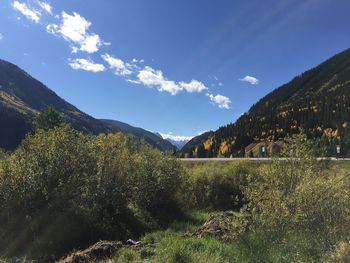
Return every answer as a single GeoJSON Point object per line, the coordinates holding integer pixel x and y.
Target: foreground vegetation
{"type": "Point", "coordinates": [62, 190]}
{"type": "Point", "coordinates": [172, 246]}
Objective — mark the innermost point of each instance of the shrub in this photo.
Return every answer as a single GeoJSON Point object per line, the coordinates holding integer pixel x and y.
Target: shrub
{"type": "Point", "coordinates": [158, 179]}
{"type": "Point", "coordinates": [299, 194]}
{"type": "Point", "coordinates": [218, 186]}
{"type": "Point", "coordinates": [62, 190]}
{"type": "Point", "coordinates": [43, 189]}
{"type": "Point", "coordinates": [110, 191]}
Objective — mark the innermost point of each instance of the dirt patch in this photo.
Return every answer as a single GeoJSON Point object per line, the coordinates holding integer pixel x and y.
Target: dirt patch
{"type": "Point", "coordinates": [225, 226]}
{"type": "Point", "coordinates": [100, 250]}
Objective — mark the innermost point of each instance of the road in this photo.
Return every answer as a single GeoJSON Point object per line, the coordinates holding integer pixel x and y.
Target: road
{"type": "Point", "coordinates": [249, 159]}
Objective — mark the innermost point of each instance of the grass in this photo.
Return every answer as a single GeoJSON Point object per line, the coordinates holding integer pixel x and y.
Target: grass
{"type": "Point", "coordinates": [171, 245]}
{"type": "Point", "coordinates": [341, 167]}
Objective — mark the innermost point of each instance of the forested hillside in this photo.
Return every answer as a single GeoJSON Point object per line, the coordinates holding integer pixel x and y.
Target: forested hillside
{"type": "Point", "coordinates": [317, 101]}
{"type": "Point", "coordinates": [148, 136]}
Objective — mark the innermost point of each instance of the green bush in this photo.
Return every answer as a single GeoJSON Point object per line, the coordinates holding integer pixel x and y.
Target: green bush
{"type": "Point", "coordinates": [219, 187]}
{"type": "Point", "coordinates": [42, 185]}
{"type": "Point", "coordinates": [62, 190]}
{"type": "Point", "coordinates": [299, 194]}
{"type": "Point", "coordinates": [158, 180]}
{"type": "Point", "coordinates": [110, 191]}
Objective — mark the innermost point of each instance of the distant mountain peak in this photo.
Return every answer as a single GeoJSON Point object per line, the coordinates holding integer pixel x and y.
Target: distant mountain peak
{"type": "Point", "coordinates": [176, 140]}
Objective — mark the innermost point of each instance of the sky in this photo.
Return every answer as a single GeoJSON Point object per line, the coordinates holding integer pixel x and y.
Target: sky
{"type": "Point", "coordinates": [175, 67]}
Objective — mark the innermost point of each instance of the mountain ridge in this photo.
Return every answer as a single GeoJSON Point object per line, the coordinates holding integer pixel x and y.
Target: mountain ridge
{"type": "Point", "coordinates": [149, 137]}
{"type": "Point", "coordinates": [22, 97]}
{"type": "Point", "coordinates": [316, 101]}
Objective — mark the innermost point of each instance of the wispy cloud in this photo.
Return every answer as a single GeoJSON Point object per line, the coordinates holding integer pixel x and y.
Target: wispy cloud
{"type": "Point", "coordinates": [216, 81]}
{"type": "Point", "coordinates": [133, 81]}
{"type": "Point", "coordinates": [119, 67]}
{"type": "Point", "coordinates": [27, 11]}
{"type": "Point", "coordinates": [1, 36]}
{"type": "Point", "coordinates": [45, 6]}
{"type": "Point", "coordinates": [250, 79]}
{"type": "Point", "coordinates": [134, 60]}
{"type": "Point", "coordinates": [86, 64]}
{"type": "Point", "coordinates": [221, 101]}
{"type": "Point", "coordinates": [75, 29]}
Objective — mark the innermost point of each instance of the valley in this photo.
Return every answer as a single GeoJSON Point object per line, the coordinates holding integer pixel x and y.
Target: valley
{"type": "Point", "coordinates": [174, 131]}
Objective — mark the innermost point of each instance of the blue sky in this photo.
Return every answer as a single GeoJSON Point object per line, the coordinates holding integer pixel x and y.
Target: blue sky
{"type": "Point", "coordinates": [179, 67]}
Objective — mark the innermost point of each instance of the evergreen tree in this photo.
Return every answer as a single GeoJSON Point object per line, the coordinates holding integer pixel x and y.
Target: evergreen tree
{"type": "Point", "coordinates": [48, 119]}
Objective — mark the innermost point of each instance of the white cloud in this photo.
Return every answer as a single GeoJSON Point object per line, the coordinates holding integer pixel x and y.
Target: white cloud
{"type": "Point", "coordinates": [91, 43]}
{"type": "Point", "coordinates": [221, 101]}
{"type": "Point", "coordinates": [28, 12]}
{"type": "Point", "coordinates": [154, 78]}
{"type": "Point", "coordinates": [176, 138]}
{"type": "Point", "coordinates": [251, 80]}
{"type": "Point", "coordinates": [133, 81]}
{"type": "Point", "coordinates": [221, 84]}
{"type": "Point", "coordinates": [119, 66]}
{"type": "Point", "coordinates": [74, 28]}
{"type": "Point", "coordinates": [46, 6]}
{"type": "Point", "coordinates": [193, 86]}
{"type": "Point", "coordinates": [52, 28]}
{"type": "Point", "coordinates": [87, 65]}
{"type": "Point", "coordinates": [1, 36]}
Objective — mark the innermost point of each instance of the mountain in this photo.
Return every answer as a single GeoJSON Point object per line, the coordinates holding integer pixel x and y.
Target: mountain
{"type": "Point", "coordinates": [22, 97]}
{"type": "Point", "coordinates": [150, 137]}
{"type": "Point", "coordinates": [317, 102]}
{"type": "Point", "coordinates": [194, 142]}
{"type": "Point", "coordinates": [177, 141]}
{"type": "Point", "coordinates": [178, 144]}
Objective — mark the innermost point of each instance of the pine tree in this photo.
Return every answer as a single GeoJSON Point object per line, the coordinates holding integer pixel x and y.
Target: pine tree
{"type": "Point", "coordinates": [48, 119]}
